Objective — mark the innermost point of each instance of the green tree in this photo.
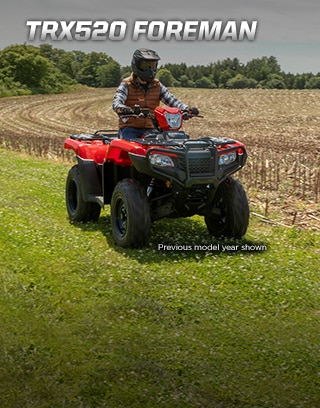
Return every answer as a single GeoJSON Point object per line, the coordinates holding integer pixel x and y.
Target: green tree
{"type": "Point", "coordinates": [313, 83]}
{"type": "Point", "coordinates": [26, 67]}
{"type": "Point", "coordinates": [90, 74]}
{"type": "Point", "coordinates": [24, 64]}
{"type": "Point", "coordinates": [186, 82]}
{"type": "Point", "coordinates": [31, 69]}
{"type": "Point", "coordinates": [205, 82]}
{"type": "Point", "coordinates": [288, 79]}
{"type": "Point", "coordinates": [70, 63]}
{"type": "Point", "coordinates": [51, 53]}
{"type": "Point", "coordinates": [125, 71]}
{"type": "Point", "coordinates": [108, 75]}
{"type": "Point", "coordinates": [273, 81]}
{"type": "Point", "coordinates": [260, 68]}
{"type": "Point", "coordinates": [229, 64]}
{"type": "Point", "coordinates": [224, 77]}
{"type": "Point", "coordinates": [241, 82]}
{"type": "Point", "coordinates": [177, 70]}
{"type": "Point", "coordinates": [165, 76]}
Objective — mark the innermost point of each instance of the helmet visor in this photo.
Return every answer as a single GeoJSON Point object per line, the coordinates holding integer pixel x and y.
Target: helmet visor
{"type": "Point", "coordinates": [145, 65]}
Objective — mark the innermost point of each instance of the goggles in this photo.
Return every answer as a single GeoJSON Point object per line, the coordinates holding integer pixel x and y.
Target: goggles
{"type": "Point", "coordinates": [145, 65]}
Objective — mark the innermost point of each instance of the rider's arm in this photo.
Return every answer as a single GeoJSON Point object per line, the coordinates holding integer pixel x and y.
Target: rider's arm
{"type": "Point", "coordinates": [168, 99]}
{"type": "Point", "coordinates": [120, 97]}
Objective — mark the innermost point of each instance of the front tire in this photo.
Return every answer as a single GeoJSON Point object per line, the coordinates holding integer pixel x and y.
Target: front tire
{"type": "Point", "coordinates": [130, 215]}
{"type": "Point", "coordinates": [78, 209]}
{"type": "Point", "coordinates": [229, 212]}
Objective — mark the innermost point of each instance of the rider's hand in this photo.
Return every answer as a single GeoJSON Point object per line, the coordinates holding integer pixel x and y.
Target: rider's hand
{"type": "Point", "coordinates": [187, 113]}
{"type": "Point", "coordinates": [194, 111]}
{"type": "Point", "coordinates": [125, 110]}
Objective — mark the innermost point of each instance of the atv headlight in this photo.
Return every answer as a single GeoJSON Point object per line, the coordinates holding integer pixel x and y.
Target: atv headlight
{"type": "Point", "coordinates": [227, 158]}
{"type": "Point", "coordinates": [161, 160]}
{"type": "Point", "coordinates": [173, 120]}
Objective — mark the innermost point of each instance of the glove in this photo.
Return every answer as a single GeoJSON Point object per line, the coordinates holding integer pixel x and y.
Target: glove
{"type": "Point", "coordinates": [125, 110]}
{"type": "Point", "coordinates": [194, 111]}
{"type": "Point", "coordinates": [186, 113]}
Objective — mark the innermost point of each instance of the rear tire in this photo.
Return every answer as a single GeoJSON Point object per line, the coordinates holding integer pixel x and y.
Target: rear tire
{"type": "Point", "coordinates": [229, 212]}
{"type": "Point", "coordinates": [78, 209]}
{"type": "Point", "coordinates": [130, 215]}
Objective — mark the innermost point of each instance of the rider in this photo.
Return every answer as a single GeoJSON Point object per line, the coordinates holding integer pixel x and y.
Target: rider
{"type": "Point", "coordinates": [143, 89]}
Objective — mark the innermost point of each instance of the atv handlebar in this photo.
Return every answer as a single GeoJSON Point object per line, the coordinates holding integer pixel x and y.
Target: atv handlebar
{"type": "Point", "coordinates": [138, 112]}
{"type": "Point", "coordinates": [145, 113]}
{"type": "Point", "coordinates": [159, 116]}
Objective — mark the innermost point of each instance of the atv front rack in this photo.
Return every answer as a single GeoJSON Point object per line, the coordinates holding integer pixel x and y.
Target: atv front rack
{"type": "Point", "coordinates": [169, 138]}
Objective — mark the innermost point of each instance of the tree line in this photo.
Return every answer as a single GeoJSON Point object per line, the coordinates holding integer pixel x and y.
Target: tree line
{"type": "Point", "coordinates": [26, 69]}
{"type": "Point", "coordinates": [230, 73]}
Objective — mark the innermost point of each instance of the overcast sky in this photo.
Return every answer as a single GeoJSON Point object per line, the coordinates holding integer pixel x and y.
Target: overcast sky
{"type": "Point", "coordinates": [287, 29]}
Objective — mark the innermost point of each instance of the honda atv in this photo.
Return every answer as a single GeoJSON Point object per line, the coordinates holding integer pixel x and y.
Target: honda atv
{"type": "Point", "coordinates": [163, 174]}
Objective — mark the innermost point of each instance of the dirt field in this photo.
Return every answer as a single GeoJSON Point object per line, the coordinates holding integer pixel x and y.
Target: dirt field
{"type": "Point", "coordinates": [280, 128]}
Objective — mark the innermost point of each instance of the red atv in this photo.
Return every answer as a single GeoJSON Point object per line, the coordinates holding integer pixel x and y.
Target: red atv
{"type": "Point", "coordinates": [163, 174]}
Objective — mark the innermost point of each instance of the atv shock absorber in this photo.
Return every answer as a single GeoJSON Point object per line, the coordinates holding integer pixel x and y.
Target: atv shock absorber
{"type": "Point", "coordinates": [150, 187]}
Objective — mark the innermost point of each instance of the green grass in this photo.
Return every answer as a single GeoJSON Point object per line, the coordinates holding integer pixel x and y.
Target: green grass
{"type": "Point", "coordinates": [87, 324]}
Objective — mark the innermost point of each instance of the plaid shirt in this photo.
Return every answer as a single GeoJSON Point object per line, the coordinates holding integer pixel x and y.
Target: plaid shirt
{"type": "Point", "coordinates": [166, 97]}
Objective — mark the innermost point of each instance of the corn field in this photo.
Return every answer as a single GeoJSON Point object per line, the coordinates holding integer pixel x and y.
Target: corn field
{"type": "Point", "coordinates": [274, 172]}
{"type": "Point", "coordinates": [281, 129]}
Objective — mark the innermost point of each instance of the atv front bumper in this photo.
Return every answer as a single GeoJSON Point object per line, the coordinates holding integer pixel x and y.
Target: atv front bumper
{"type": "Point", "coordinates": [196, 165]}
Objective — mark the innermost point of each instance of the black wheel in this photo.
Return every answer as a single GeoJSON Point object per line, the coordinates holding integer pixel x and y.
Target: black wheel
{"type": "Point", "coordinates": [79, 210]}
{"type": "Point", "coordinates": [130, 214]}
{"type": "Point", "coordinates": [229, 212]}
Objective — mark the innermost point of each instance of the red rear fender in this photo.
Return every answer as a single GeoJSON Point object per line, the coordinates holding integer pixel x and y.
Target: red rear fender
{"type": "Point", "coordinates": [94, 150]}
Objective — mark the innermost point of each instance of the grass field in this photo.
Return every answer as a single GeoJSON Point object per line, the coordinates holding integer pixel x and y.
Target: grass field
{"type": "Point", "coordinates": [87, 324]}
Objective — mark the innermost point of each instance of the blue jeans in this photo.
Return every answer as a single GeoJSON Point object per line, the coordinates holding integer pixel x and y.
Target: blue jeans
{"type": "Point", "coordinates": [129, 132]}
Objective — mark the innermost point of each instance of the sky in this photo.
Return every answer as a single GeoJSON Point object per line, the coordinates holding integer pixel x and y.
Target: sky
{"type": "Point", "coordinates": [287, 29]}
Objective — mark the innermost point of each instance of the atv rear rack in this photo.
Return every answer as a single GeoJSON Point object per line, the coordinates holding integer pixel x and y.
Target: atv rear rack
{"type": "Point", "coordinates": [105, 135]}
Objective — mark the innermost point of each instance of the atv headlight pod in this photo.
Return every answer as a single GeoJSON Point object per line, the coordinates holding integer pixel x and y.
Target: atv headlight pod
{"type": "Point", "coordinates": [227, 158]}
{"type": "Point", "coordinates": [161, 160]}
{"type": "Point", "coordinates": [173, 120]}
